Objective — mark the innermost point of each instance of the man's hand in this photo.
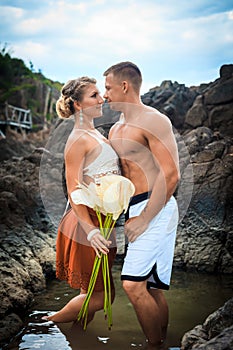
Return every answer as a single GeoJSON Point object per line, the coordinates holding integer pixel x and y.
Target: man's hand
{"type": "Point", "coordinates": [134, 227]}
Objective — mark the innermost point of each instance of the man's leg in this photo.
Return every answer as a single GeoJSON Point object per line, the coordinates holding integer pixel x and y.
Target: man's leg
{"type": "Point", "coordinates": [147, 310]}
{"type": "Point", "coordinates": [159, 297]}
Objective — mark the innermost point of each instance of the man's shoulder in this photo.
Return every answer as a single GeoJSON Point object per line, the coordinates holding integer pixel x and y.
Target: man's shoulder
{"type": "Point", "coordinates": [153, 112]}
{"type": "Point", "coordinates": [114, 128]}
{"type": "Point", "coordinates": [155, 117]}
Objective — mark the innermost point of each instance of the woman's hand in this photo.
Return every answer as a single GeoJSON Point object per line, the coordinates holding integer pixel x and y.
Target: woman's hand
{"type": "Point", "coordinates": [99, 243]}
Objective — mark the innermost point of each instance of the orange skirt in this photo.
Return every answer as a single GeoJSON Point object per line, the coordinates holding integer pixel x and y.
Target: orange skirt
{"type": "Point", "coordinates": [74, 255]}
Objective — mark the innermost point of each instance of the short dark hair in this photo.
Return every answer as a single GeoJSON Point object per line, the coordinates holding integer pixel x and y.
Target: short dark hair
{"type": "Point", "coordinates": [126, 71]}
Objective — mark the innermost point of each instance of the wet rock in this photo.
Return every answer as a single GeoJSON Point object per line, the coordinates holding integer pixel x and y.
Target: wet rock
{"type": "Point", "coordinates": [9, 326]}
{"type": "Point", "coordinates": [27, 246]}
{"type": "Point", "coordinates": [216, 333]}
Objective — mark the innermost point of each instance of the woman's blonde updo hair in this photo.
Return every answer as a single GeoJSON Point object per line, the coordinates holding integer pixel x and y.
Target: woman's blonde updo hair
{"type": "Point", "coordinates": [72, 91]}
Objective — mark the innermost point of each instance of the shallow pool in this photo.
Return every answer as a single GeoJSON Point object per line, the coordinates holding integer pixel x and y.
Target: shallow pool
{"type": "Point", "coordinates": [191, 298]}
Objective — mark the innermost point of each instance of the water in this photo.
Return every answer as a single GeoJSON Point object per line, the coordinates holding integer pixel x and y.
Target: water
{"type": "Point", "coordinates": [191, 298]}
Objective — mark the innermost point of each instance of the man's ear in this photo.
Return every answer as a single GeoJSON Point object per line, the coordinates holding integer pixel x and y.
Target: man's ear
{"type": "Point", "coordinates": [125, 86]}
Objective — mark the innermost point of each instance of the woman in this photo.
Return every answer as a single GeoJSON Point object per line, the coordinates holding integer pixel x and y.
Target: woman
{"type": "Point", "coordinates": [88, 155]}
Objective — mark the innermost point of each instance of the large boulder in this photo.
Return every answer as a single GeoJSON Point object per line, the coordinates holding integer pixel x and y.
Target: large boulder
{"type": "Point", "coordinates": [27, 246]}
{"type": "Point", "coordinates": [216, 333]}
{"type": "Point", "coordinates": [213, 107]}
{"type": "Point", "coordinates": [204, 239]}
{"type": "Point", "coordinates": [172, 99]}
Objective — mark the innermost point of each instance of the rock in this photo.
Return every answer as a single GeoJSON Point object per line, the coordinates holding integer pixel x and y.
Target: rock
{"type": "Point", "coordinates": [198, 138]}
{"type": "Point", "coordinates": [216, 333]}
{"type": "Point", "coordinates": [216, 120]}
{"type": "Point", "coordinates": [27, 246]}
{"type": "Point", "coordinates": [213, 107]}
{"type": "Point", "coordinates": [204, 242]}
{"type": "Point", "coordinates": [196, 337]}
{"type": "Point", "coordinates": [207, 155]}
{"type": "Point", "coordinates": [173, 99]}
{"type": "Point", "coordinates": [226, 71]}
{"type": "Point", "coordinates": [221, 93]}
{"type": "Point", "coordinates": [196, 115]}
{"type": "Point", "coordinates": [9, 326]}
{"type": "Point", "coordinates": [32, 181]}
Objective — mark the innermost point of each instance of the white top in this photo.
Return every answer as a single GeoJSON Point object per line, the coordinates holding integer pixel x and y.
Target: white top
{"type": "Point", "coordinates": [107, 162]}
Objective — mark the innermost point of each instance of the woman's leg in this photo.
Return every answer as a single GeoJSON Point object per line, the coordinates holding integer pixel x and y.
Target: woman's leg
{"type": "Point", "coordinates": [69, 312]}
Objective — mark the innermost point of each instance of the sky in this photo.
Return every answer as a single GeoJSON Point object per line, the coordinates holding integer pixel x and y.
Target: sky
{"type": "Point", "coordinates": [183, 41]}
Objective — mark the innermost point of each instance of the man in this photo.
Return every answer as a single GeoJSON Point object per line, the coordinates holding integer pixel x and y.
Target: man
{"type": "Point", "coordinates": [145, 143]}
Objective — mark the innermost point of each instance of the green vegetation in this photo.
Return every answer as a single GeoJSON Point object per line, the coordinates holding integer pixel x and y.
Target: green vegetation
{"type": "Point", "coordinates": [14, 70]}
{"type": "Point", "coordinates": [19, 83]}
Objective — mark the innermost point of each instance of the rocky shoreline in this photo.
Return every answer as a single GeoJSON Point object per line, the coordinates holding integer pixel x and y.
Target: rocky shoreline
{"type": "Point", "coordinates": [27, 251]}
{"type": "Point", "coordinates": [204, 240]}
{"type": "Point", "coordinates": [216, 333]}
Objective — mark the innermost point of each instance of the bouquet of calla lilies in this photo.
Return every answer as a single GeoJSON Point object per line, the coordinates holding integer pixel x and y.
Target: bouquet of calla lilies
{"type": "Point", "coordinates": [109, 197]}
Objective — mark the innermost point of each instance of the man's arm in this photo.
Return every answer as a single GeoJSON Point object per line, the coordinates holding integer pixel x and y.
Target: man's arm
{"type": "Point", "coordinates": [163, 147]}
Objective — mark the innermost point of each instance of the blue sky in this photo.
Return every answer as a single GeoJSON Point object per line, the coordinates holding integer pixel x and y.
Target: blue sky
{"type": "Point", "coordinates": [183, 41]}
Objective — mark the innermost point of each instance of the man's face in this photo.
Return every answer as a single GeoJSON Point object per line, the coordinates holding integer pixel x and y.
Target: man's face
{"type": "Point", "coordinates": [113, 89]}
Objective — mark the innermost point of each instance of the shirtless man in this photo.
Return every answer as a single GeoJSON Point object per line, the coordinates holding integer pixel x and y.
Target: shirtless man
{"type": "Point", "coordinates": [145, 143]}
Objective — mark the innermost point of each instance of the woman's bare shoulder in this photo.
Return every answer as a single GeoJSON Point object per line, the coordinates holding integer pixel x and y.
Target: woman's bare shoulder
{"type": "Point", "coordinates": [77, 140]}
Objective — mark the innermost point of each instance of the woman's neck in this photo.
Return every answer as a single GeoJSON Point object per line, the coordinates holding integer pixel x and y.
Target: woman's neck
{"type": "Point", "coordinates": [85, 125]}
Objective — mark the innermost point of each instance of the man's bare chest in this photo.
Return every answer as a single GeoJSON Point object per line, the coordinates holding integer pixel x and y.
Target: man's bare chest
{"type": "Point", "coordinates": [129, 142]}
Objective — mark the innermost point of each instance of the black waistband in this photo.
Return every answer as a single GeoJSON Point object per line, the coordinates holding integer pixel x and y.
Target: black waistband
{"type": "Point", "coordinates": [139, 198]}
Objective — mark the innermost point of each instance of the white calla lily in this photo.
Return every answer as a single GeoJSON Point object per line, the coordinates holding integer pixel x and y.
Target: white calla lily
{"type": "Point", "coordinates": [86, 195]}
{"type": "Point", "coordinates": [110, 197]}
{"type": "Point", "coordinates": [117, 195]}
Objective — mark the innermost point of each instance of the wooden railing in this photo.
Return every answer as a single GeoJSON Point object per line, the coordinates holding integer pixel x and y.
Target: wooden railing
{"type": "Point", "coordinates": [18, 117]}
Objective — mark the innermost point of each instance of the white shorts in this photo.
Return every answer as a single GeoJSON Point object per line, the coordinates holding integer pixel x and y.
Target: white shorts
{"type": "Point", "coordinates": [150, 256]}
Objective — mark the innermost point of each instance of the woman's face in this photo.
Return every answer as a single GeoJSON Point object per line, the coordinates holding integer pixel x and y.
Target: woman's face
{"type": "Point", "coordinates": [92, 101]}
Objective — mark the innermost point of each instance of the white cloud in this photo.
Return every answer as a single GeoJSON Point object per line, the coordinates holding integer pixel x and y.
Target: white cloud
{"type": "Point", "coordinates": [230, 15]}
{"type": "Point", "coordinates": [29, 47]}
{"type": "Point", "coordinates": [9, 12]}
{"type": "Point", "coordinates": [168, 41]}
{"type": "Point", "coordinates": [120, 29]}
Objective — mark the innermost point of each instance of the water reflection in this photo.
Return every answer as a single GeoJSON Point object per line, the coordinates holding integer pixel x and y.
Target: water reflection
{"type": "Point", "coordinates": [191, 298]}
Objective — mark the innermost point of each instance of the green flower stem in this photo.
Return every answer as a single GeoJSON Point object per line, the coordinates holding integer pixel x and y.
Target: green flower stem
{"type": "Point", "coordinates": [105, 284]}
{"type": "Point", "coordinates": [108, 296]}
{"type": "Point", "coordinates": [106, 230]}
{"type": "Point", "coordinates": [83, 313]}
{"type": "Point", "coordinates": [98, 213]}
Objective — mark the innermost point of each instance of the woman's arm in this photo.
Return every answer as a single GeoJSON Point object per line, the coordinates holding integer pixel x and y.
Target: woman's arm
{"type": "Point", "coordinates": [75, 154]}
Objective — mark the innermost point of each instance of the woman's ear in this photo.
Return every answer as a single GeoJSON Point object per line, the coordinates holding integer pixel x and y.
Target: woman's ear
{"type": "Point", "coordinates": [77, 106]}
